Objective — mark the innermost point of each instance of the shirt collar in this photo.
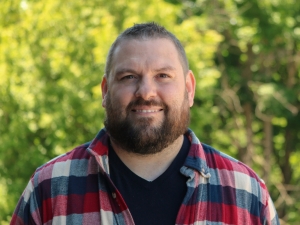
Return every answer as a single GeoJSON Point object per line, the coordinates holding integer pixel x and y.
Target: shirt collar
{"type": "Point", "coordinates": [195, 160]}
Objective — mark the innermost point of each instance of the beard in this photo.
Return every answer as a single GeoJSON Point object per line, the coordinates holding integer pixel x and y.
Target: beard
{"type": "Point", "coordinates": [139, 135]}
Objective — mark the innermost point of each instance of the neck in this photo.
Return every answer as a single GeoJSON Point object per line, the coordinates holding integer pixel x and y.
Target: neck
{"type": "Point", "coordinates": [151, 166]}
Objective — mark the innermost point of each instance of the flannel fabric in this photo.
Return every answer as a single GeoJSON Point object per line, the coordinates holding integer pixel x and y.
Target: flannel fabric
{"type": "Point", "coordinates": [75, 188]}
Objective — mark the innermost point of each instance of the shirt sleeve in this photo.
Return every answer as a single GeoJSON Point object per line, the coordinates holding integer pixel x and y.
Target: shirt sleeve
{"type": "Point", "coordinates": [270, 214]}
{"type": "Point", "coordinates": [27, 211]}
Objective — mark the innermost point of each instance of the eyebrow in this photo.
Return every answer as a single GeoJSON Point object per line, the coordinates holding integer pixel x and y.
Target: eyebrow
{"type": "Point", "coordinates": [129, 70]}
{"type": "Point", "coordinates": [166, 68]}
{"type": "Point", "coordinates": [121, 71]}
{"type": "Point", "coordinates": [125, 70]}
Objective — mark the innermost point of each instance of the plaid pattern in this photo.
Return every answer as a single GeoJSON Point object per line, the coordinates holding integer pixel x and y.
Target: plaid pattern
{"type": "Point", "coordinates": [75, 188]}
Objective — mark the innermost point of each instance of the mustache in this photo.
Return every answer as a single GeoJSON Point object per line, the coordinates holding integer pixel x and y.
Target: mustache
{"type": "Point", "coordinates": [142, 102]}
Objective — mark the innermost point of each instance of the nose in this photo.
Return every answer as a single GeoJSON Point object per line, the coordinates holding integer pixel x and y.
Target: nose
{"type": "Point", "coordinates": [146, 89]}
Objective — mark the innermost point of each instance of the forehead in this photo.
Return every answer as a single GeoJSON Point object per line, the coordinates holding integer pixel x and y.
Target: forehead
{"type": "Point", "coordinates": [146, 53]}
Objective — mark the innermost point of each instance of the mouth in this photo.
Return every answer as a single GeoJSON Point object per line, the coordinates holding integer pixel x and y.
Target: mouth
{"type": "Point", "coordinates": [147, 110]}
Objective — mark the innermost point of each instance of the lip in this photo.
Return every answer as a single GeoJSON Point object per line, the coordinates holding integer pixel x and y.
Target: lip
{"type": "Point", "coordinates": [147, 110]}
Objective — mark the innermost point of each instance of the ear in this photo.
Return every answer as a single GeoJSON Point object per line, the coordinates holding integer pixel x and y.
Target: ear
{"type": "Point", "coordinates": [104, 90]}
{"type": "Point", "coordinates": [190, 84]}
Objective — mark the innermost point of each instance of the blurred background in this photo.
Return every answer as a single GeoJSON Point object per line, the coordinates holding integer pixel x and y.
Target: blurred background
{"type": "Point", "coordinates": [245, 55]}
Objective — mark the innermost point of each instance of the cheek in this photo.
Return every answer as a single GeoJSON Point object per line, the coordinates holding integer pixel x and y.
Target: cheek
{"type": "Point", "coordinates": [174, 96]}
{"type": "Point", "coordinates": [120, 97]}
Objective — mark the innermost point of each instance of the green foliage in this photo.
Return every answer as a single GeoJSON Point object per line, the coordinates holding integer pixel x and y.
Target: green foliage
{"type": "Point", "coordinates": [257, 93]}
{"type": "Point", "coordinates": [244, 54]}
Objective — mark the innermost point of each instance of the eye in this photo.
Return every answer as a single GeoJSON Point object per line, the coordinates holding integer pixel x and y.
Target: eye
{"type": "Point", "coordinates": [128, 77]}
{"type": "Point", "coordinates": [163, 75]}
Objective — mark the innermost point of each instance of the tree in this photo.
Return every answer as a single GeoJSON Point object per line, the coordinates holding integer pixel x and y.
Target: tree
{"type": "Point", "coordinates": [52, 59]}
{"type": "Point", "coordinates": [244, 54]}
{"type": "Point", "coordinates": [257, 94]}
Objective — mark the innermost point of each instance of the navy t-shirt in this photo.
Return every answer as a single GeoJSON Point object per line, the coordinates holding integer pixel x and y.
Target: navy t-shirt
{"type": "Point", "coordinates": [151, 202]}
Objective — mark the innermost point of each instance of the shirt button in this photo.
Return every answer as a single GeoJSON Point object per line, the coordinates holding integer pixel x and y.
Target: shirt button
{"type": "Point", "coordinates": [114, 195]}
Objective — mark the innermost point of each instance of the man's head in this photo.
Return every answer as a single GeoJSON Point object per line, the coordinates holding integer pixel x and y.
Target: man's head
{"type": "Point", "coordinates": [147, 92]}
{"type": "Point", "coordinates": [146, 31]}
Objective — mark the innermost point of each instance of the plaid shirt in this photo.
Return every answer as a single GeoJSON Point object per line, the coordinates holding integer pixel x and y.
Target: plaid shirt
{"type": "Point", "coordinates": [75, 188]}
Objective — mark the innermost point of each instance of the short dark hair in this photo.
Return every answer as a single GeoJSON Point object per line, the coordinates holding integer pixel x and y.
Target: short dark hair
{"type": "Point", "coordinates": [144, 31]}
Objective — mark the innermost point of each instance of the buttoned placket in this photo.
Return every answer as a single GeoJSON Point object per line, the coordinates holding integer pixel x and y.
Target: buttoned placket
{"type": "Point", "coordinates": [125, 218]}
{"type": "Point", "coordinates": [196, 178]}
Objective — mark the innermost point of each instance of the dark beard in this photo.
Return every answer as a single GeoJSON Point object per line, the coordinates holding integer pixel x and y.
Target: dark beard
{"type": "Point", "coordinates": [139, 137]}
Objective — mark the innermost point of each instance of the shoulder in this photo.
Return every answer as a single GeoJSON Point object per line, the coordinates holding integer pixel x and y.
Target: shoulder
{"type": "Point", "coordinates": [240, 184]}
{"type": "Point", "coordinates": [229, 173]}
{"type": "Point", "coordinates": [207, 159]}
{"type": "Point", "coordinates": [221, 162]}
{"type": "Point", "coordinates": [49, 181]}
{"type": "Point", "coordinates": [62, 165]}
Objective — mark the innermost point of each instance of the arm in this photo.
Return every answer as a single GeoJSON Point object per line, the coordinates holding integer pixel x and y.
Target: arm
{"type": "Point", "coordinates": [27, 211]}
{"type": "Point", "coordinates": [270, 215]}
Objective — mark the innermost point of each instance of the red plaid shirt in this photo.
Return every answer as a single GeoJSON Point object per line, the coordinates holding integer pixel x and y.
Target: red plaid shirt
{"type": "Point", "coordinates": [75, 188]}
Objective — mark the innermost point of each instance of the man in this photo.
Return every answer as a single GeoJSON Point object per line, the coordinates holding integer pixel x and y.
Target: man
{"type": "Point", "coordinates": [146, 166]}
